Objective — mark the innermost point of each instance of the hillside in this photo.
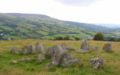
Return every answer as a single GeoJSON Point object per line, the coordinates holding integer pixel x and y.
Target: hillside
{"type": "Point", "coordinates": [16, 25]}
{"type": "Point", "coordinates": [90, 27]}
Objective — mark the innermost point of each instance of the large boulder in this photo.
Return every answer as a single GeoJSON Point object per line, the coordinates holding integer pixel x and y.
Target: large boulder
{"type": "Point", "coordinates": [55, 53]}
{"type": "Point", "coordinates": [84, 46]}
{"type": "Point", "coordinates": [107, 47]}
{"type": "Point", "coordinates": [39, 48]}
{"type": "Point", "coordinates": [60, 57]}
{"type": "Point", "coordinates": [96, 62]}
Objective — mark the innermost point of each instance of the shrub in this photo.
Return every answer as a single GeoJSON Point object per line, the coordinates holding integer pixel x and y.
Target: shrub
{"type": "Point", "coordinates": [98, 36]}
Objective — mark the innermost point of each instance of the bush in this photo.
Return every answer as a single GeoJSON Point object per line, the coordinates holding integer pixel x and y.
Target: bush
{"type": "Point", "coordinates": [67, 38]}
{"type": "Point", "coordinates": [98, 36]}
{"type": "Point", "coordinates": [59, 38]}
{"type": "Point", "coordinates": [62, 38]}
{"type": "Point", "coordinates": [77, 38]}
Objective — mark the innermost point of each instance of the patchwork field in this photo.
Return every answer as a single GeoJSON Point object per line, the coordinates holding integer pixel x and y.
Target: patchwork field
{"type": "Point", "coordinates": [111, 59]}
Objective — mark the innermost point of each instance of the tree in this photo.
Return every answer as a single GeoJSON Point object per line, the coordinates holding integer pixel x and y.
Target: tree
{"type": "Point", "coordinates": [67, 38]}
{"type": "Point", "coordinates": [98, 36]}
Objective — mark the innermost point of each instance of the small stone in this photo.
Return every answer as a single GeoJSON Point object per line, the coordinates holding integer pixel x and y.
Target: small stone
{"type": "Point", "coordinates": [14, 62]}
{"type": "Point", "coordinates": [40, 58]}
{"type": "Point", "coordinates": [25, 60]}
{"type": "Point", "coordinates": [107, 47]}
{"type": "Point", "coordinates": [96, 62]}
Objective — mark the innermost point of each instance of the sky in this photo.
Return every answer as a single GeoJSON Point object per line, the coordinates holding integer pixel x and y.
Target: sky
{"type": "Point", "coordinates": [87, 11]}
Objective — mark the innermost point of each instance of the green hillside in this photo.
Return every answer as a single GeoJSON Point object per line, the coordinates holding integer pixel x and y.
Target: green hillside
{"type": "Point", "coordinates": [17, 26]}
{"type": "Point", "coordinates": [14, 25]}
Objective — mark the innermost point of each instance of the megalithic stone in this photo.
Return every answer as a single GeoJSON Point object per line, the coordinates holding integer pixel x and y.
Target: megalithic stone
{"type": "Point", "coordinates": [84, 46]}
{"type": "Point", "coordinates": [39, 48]}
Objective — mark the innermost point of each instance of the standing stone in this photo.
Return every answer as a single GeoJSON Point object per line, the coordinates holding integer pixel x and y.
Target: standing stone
{"type": "Point", "coordinates": [14, 50]}
{"type": "Point", "coordinates": [55, 53]}
{"type": "Point", "coordinates": [60, 57]}
{"type": "Point", "coordinates": [96, 62]}
{"type": "Point", "coordinates": [39, 48]}
{"type": "Point", "coordinates": [84, 46]}
{"type": "Point", "coordinates": [67, 60]}
{"type": "Point", "coordinates": [27, 49]}
{"type": "Point", "coordinates": [107, 47]}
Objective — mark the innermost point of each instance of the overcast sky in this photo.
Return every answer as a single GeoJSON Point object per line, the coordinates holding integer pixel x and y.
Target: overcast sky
{"type": "Point", "coordinates": [88, 11]}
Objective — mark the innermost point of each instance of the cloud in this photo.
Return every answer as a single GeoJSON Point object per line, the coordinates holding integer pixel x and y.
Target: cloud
{"type": "Point", "coordinates": [77, 2]}
{"type": "Point", "coordinates": [89, 11]}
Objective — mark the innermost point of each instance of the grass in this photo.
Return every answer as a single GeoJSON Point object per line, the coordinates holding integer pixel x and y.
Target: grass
{"type": "Point", "coordinates": [111, 65]}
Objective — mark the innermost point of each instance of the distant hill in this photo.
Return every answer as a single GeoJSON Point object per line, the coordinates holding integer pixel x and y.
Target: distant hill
{"type": "Point", "coordinates": [90, 27]}
{"type": "Point", "coordinates": [16, 25]}
{"type": "Point", "coordinates": [112, 26]}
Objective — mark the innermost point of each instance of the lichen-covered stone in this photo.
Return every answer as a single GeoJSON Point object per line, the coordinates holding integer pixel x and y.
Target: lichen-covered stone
{"type": "Point", "coordinates": [27, 49]}
{"type": "Point", "coordinates": [84, 46]}
{"type": "Point", "coordinates": [55, 53]}
{"type": "Point", "coordinates": [39, 48]}
{"type": "Point", "coordinates": [96, 62]}
{"type": "Point", "coordinates": [14, 50]}
{"type": "Point", "coordinates": [68, 60]}
{"type": "Point", "coordinates": [107, 47]}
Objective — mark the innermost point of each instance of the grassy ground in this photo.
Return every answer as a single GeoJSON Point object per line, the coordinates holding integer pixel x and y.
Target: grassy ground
{"type": "Point", "coordinates": [111, 66]}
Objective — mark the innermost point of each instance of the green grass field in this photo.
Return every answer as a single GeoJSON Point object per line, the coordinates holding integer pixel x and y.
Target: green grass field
{"type": "Point", "coordinates": [111, 60]}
